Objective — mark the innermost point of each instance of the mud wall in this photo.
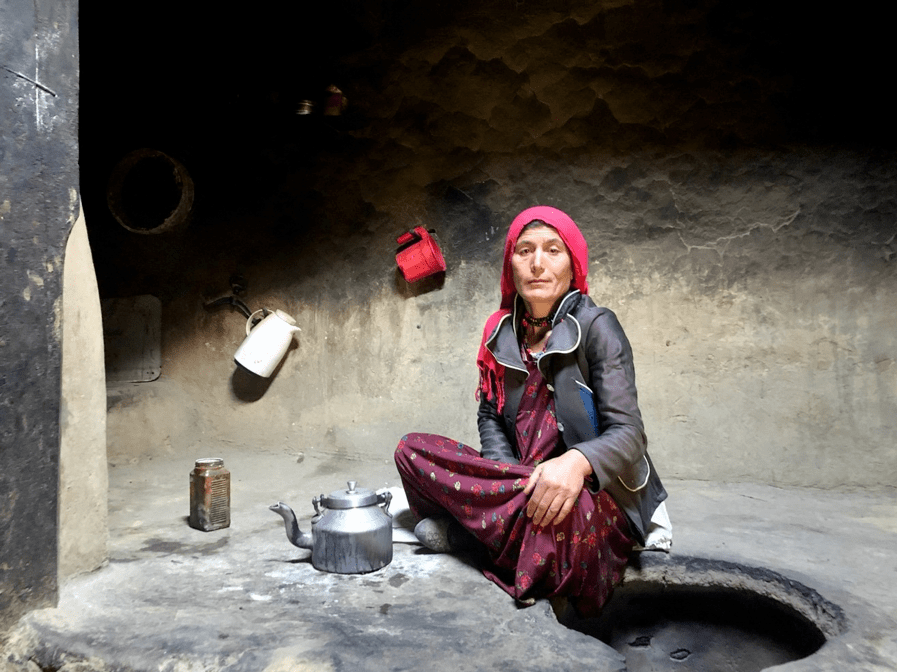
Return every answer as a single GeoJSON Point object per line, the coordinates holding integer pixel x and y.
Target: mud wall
{"type": "Point", "coordinates": [741, 221]}
{"type": "Point", "coordinates": [83, 472]}
{"type": "Point", "coordinates": [38, 206]}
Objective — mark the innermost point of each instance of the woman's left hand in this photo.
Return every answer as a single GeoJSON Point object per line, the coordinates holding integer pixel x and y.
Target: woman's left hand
{"type": "Point", "coordinates": [555, 484]}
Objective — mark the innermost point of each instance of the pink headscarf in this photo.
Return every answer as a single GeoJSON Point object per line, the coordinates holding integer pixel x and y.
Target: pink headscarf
{"type": "Point", "coordinates": [491, 372]}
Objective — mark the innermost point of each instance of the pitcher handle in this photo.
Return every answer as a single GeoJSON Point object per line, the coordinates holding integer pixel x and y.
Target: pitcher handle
{"type": "Point", "coordinates": [249, 324]}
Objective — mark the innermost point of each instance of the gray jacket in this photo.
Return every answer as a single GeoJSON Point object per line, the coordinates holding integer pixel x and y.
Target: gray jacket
{"type": "Point", "coordinates": [588, 366]}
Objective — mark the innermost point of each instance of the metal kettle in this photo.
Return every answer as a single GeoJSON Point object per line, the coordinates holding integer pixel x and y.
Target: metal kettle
{"type": "Point", "coordinates": [351, 532]}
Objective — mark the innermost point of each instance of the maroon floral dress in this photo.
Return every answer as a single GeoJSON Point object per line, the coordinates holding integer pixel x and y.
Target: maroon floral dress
{"type": "Point", "coordinates": [582, 558]}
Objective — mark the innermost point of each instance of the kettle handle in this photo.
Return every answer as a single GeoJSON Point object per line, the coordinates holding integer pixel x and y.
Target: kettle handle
{"type": "Point", "coordinates": [386, 498]}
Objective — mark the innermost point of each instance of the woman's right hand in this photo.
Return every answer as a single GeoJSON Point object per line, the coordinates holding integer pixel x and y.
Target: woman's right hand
{"type": "Point", "coordinates": [554, 486]}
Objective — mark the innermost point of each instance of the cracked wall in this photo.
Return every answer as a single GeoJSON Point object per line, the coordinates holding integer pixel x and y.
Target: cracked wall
{"type": "Point", "coordinates": [741, 223]}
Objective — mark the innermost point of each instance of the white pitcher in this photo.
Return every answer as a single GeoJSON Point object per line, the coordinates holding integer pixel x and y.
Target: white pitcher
{"type": "Point", "coordinates": [267, 343]}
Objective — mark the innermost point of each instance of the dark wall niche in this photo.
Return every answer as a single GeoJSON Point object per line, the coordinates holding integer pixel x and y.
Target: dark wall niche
{"type": "Point", "coordinates": [38, 204]}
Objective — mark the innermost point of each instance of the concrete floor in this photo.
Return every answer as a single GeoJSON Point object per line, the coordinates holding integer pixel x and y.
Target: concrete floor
{"type": "Point", "coordinates": [244, 599]}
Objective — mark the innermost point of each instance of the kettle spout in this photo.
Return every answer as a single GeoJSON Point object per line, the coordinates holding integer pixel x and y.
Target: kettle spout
{"type": "Point", "coordinates": [294, 534]}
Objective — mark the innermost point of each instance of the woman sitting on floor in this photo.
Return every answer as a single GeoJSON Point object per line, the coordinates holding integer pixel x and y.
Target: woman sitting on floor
{"type": "Point", "coordinates": [563, 487]}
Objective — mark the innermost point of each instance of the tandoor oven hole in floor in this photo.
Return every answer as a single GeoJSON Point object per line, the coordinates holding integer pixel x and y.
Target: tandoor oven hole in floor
{"type": "Point", "coordinates": [657, 627]}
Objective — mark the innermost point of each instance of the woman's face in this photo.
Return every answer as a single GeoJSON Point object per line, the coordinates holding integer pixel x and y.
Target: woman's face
{"type": "Point", "coordinates": [542, 269]}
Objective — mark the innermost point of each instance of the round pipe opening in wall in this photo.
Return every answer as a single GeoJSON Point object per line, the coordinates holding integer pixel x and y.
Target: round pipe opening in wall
{"type": "Point", "coordinates": [150, 192]}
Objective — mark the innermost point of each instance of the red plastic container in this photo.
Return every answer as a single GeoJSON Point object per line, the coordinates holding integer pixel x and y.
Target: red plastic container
{"type": "Point", "coordinates": [418, 255]}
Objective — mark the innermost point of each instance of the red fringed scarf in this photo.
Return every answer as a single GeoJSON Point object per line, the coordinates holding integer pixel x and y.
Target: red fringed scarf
{"type": "Point", "coordinates": [491, 372]}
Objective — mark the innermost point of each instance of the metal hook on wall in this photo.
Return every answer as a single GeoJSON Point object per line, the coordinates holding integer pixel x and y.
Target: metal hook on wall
{"type": "Point", "coordinates": [238, 286]}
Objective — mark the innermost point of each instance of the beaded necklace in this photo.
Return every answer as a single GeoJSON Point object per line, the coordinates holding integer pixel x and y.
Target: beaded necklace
{"type": "Point", "coordinates": [535, 322]}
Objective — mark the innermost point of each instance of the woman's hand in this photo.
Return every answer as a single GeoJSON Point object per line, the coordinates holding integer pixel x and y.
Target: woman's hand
{"type": "Point", "coordinates": [555, 484]}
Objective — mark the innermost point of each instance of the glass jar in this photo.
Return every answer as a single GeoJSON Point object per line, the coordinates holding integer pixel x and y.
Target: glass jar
{"type": "Point", "coordinates": [209, 495]}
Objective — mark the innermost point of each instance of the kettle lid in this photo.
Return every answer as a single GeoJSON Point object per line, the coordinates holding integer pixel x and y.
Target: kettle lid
{"type": "Point", "coordinates": [351, 498]}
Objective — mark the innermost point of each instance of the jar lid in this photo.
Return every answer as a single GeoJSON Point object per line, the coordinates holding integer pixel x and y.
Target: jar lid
{"type": "Point", "coordinates": [351, 498]}
{"type": "Point", "coordinates": [210, 463]}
